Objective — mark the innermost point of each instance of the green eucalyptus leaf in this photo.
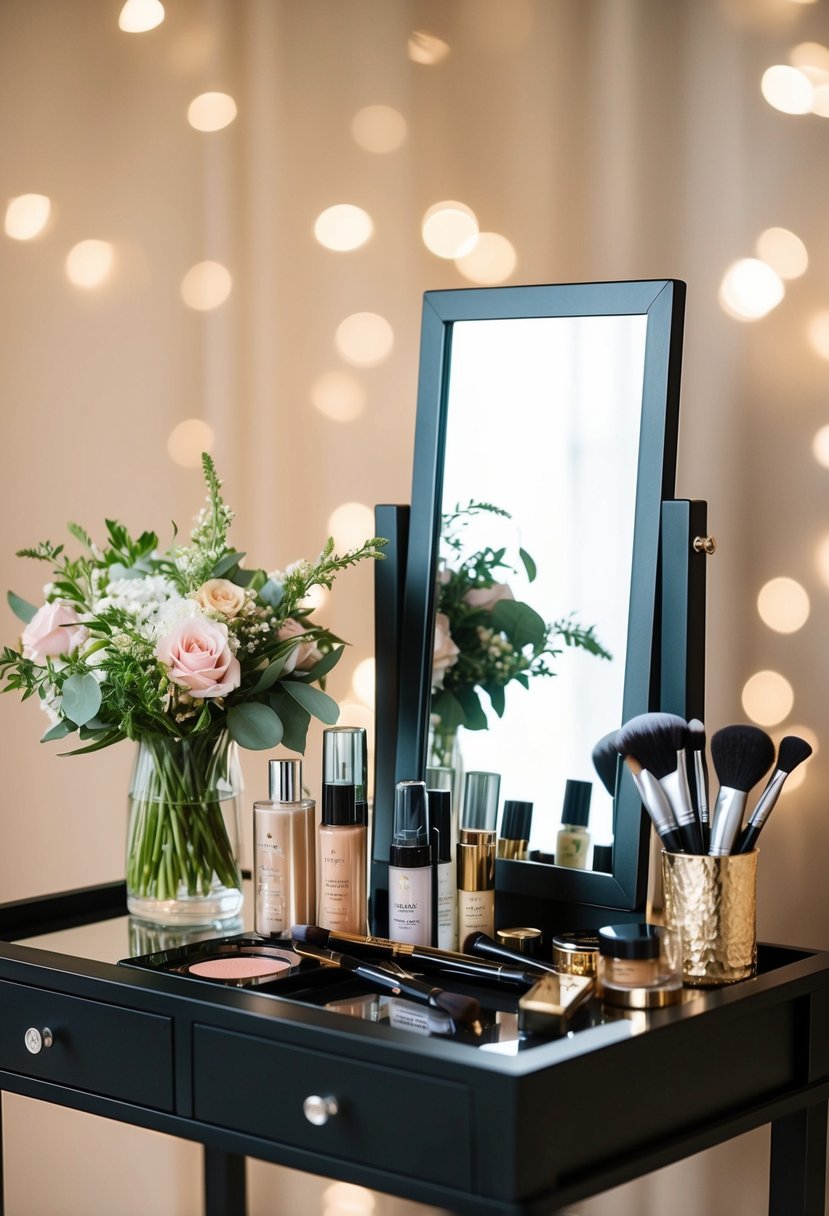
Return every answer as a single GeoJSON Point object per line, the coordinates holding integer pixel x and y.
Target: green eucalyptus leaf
{"type": "Point", "coordinates": [59, 731]}
{"type": "Point", "coordinates": [521, 623]}
{"type": "Point", "coordinates": [474, 717]}
{"type": "Point", "coordinates": [321, 669]}
{"type": "Point", "coordinates": [529, 564]}
{"type": "Point", "coordinates": [497, 699]}
{"type": "Point", "coordinates": [317, 702]}
{"type": "Point", "coordinates": [21, 608]}
{"type": "Point", "coordinates": [81, 698]}
{"type": "Point", "coordinates": [254, 726]}
{"type": "Point", "coordinates": [294, 718]}
{"type": "Point", "coordinates": [271, 592]}
{"type": "Point", "coordinates": [113, 736]}
{"type": "Point", "coordinates": [269, 676]}
{"type": "Point", "coordinates": [449, 709]}
{"type": "Point", "coordinates": [226, 563]}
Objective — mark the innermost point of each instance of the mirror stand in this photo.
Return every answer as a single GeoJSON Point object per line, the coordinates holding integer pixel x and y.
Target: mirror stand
{"type": "Point", "coordinates": [523, 895]}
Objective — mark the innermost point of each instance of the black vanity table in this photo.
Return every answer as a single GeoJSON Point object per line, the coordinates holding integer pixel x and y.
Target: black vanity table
{"type": "Point", "coordinates": [440, 1122]}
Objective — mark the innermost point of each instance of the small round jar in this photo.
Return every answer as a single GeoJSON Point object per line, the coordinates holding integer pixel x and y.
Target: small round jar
{"type": "Point", "coordinates": [638, 966]}
{"type": "Point", "coordinates": [522, 941]}
{"type": "Point", "coordinates": [576, 953]}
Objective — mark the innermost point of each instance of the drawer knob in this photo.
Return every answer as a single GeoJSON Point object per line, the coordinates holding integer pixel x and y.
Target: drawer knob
{"type": "Point", "coordinates": [319, 1110]}
{"type": "Point", "coordinates": [36, 1040]}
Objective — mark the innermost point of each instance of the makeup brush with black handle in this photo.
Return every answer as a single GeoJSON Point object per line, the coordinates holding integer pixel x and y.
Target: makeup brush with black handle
{"type": "Point", "coordinates": [657, 741]}
{"type": "Point", "coordinates": [655, 802]}
{"type": "Point", "coordinates": [792, 751]}
{"type": "Point", "coordinates": [398, 982]}
{"type": "Point", "coordinates": [696, 742]}
{"type": "Point", "coordinates": [741, 755]}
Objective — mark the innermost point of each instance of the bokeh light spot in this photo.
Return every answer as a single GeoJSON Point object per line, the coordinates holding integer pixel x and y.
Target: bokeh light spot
{"type": "Point", "coordinates": [783, 605]}
{"type": "Point", "coordinates": [364, 339]}
{"type": "Point", "coordinates": [787, 89]}
{"type": "Point", "coordinates": [343, 227]}
{"type": "Point", "coordinates": [783, 251]}
{"type": "Point", "coordinates": [351, 524]}
{"type": "Point", "coordinates": [427, 48]}
{"type": "Point", "coordinates": [188, 440]}
{"type": "Point", "coordinates": [89, 264]}
{"type": "Point", "coordinates": [750, 289]}
{"type": "Point", "coordinates": [27, 216]}
{"type": "Point", "coordinates": [767, 697]}
{"type": "Point", "coordinates": [450, 229]}
{"type": "Point", "coordinates": [338, 395]}
{"type": "Point", "coordinates": [138, 16]}
{"type": "Point", "coordinates": [211, 111]}
{"type": "Point", "coordinates": [206, 286]}
{"type": "Point", "coordinates": [492, 260]}
{"type": "Point", "coordinates": [378, 129]}
{"type": "Point", "coordinates": [818, 333]}
{"type": "Point", "coordinates": [362, 681]}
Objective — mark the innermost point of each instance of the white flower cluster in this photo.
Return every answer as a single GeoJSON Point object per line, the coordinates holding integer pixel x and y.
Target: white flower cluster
{"type": "Point", "coordinates": [153, 602]}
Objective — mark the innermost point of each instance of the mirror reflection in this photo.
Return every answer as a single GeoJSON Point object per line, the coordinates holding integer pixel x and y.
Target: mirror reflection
{"type": "Point", "coordinates": [534, 567]}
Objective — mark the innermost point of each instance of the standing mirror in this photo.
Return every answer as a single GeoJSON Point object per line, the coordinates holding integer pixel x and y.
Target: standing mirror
{"type": "Point", "coordinates": [545, 445]}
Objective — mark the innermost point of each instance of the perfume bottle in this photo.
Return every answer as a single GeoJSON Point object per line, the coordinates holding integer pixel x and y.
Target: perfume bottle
{"type": "Point", "coordinates": [445, 899]}
{"type": "Point", "coordinates": [341, 861]}
{"type": "Point", "coordinates": [573, 840]}
{"type": "Point", "coordinates": [476, 883]}
{"type": "Point", "coordinates": [283, 846]}
{"type": "Point", "coordinates": [410, 866]}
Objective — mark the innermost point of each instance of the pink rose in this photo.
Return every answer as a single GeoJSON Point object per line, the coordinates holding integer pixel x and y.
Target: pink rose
{"type": "Point", "coordinates": [53, 630]}
{"type": "Point", "coordinates": [445, 654]}
{"type": "Point", "coordinates": [487, 597]}
{"type": "Point", "coordinates": [197, 657]}
{"type": "Point", "coordinates": [304, 655]}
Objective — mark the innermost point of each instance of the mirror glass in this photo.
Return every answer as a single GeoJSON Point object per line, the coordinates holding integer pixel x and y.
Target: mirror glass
{"type": "Point", "coordinates": [542, 423]}
{"type": "Point", "coordinates": [545, 445]}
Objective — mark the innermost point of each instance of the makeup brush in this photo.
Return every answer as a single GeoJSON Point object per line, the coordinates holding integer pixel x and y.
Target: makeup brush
{"type": "Point", "coordinates": [655, 802]}
{"type": "Point", "coordinates": [657, 741]}
{"type": "Point", "coordinates": [741, 756]}
{"type": "Point", "coordinates": [792, 751]}
{"type": "Point", "coordinates": [606, 761]}
{"type": "Point", "coordinates": [398, 982]}
{"type": "Point", "coordinates": [420, 958]}
{"type": "Point", "coordinates": [696, 742]}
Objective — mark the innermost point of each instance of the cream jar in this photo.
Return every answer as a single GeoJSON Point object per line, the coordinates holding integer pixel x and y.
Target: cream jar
{"type": "Point", "coordinates": [638, 966]}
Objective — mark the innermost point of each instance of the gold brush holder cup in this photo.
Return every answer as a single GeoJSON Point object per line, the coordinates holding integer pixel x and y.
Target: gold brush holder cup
{"type": "Point", "coordinates": [711, 904]}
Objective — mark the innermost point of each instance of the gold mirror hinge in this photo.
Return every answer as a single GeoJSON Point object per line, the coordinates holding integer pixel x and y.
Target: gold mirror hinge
{"type": "Point", "coordinates": [705, 544]}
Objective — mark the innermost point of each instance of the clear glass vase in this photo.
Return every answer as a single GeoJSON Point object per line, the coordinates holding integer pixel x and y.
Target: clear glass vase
{"type": "Point", "coordinates": [183, 831]}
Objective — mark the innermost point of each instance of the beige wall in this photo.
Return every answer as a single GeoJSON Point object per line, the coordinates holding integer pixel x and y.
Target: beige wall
{"type": "Point", "coordinates": [606, 139]}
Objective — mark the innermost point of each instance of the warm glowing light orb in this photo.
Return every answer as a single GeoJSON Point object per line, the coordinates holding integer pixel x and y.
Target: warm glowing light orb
{"type": "Point", "coordinates": [378, 129]}
{"type": "Point", "coordinates": [750, 289]}
{"type": "Point", "coordinates": [89, 263]}
{"type": "Point", "coordinates": [820, 103]}
{"type": "Point", "coordinates": [138, 16]}
{"type": "Point", "coordinates": [350, 524]}
{"type": "Point", "coordinates": [812, 58]}
{"type": "Point", "coordinates": [767, 698]}
{"type": "Point", "coordinates": [316, 599]}
{"type": "Point", "coordinates": [784, 252]}
{"type": "Point", "coordinates": [450, 229]}
{"type": "Point", "coordinates": [27, 215]}
{"type": "Point", "coordinates": [818, 333]}
{"type": "Point", "coordinates": [787, 89]}
{"type": "Point", "coordinates": [362, 682]}
{"type": "Point", "coordinates": [492, 260]}
{"type": "Point", "coordinates": [364, 339]}
{"type": "Point", "coordinates": [188, 440]}
{"type": "Point", "coordinates": [820, 447]}
{"type": "Point", "coordinates": [338, 395]}
{"type": "Point", "coordinates": [211, 111]}
{"type": "Point", "coordinates": [206, 286]}
{"type": "Point", "coordinates": [822, 559]}
{"type": "Point", "coordinates": [783, 605]}
{"type": "Point", "coordinates": [343, 227]}
{"type": "Point", "coordinates": [427, 48]}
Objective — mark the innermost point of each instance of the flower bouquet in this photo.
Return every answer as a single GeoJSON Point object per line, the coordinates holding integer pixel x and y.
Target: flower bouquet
{"type": "Point", "coordinates": [484, 637]}
{"type": "Point", "coordinates": [189, 654]}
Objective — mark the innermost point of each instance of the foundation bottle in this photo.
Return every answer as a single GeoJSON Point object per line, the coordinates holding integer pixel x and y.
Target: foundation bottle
{"type": "Point", "coordinates": [638, 966]}
{"type": "Point", "coordinates": [341, 862]}
{"type": "Point", "coordinates": [345, 762]}
{"type": "Point", "coordinates": [516, 822]}
{"type": "Point", "coordinates": [573, 840]}
{"type": "Point", "coordinates": [480, 800]}
{"type": "Point", "coordinates": [476, 883]}
{"type": "Point", "coordinates": [283, 846]}
{"type": "Point", "coordinates": [410, 866]}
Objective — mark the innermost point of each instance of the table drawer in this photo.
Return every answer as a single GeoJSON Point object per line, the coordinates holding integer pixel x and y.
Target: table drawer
{"type": "Point", "coordinates": [386, 1118]}
{"type": "Point", "coordinates": [105, 1049]}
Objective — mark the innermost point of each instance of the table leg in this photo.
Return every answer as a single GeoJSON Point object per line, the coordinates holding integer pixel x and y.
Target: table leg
{"type": "Point", "coordinates": [225, 1192]}
{"type": "Point", "coordinates": [797, 1185]}
{"type": "Point", "coordinates": [2, 1193]}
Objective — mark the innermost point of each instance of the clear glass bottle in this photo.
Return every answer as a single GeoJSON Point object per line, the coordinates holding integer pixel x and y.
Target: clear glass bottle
{"type": "Point", "coordinates": [410, 866]}
{"type": "Point", "coordinates": [476, 883]}
{"type": "Point", "coordinates": [341, 862]}
{"type": "Point", "coordinates": [283, 848]}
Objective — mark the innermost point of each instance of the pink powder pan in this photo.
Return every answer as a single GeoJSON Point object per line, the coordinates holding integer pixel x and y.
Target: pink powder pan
{"type": "Point", "coordinates": [236, 968]}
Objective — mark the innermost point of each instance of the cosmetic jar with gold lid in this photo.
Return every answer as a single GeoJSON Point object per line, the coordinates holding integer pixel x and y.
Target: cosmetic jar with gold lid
{"type": "Point", "coordinates": [639, 966]}
{"type": "Point", "coordinates": [523, 940]}
{"type": "Point", "coordinates": [576, 953]}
